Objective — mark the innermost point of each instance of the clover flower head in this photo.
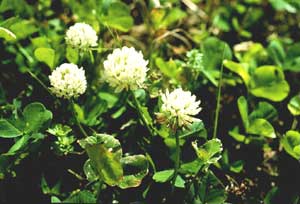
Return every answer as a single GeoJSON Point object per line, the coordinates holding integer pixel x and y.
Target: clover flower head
{"type": "Point", "coordinates": [81, 36]}
{"type": "Point", "coordinates": [125, 68]}
{"type": "Point", "coordinates": [178, 108]}
{"type": "Point", "coordinates": [68, 81]}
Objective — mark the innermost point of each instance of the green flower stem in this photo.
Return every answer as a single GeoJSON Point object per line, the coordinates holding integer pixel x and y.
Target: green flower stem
{"type": "Point", "coordinates": [140, 113]}
{"type": "Point", "coordinates": [177, 160]}
{"type": "Point", "coordinates": [77, 120]}
{"type": "Point", "coordinates": [219, 98]}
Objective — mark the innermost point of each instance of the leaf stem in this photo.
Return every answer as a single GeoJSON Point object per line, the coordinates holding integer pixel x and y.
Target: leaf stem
{"type": "Point", "coordinates": [77, 120]}
{"type": "Point", "coordinates": [219, 98]}
{"type": "Point", "coordinates": [177, 160]}
{"type": "Point", "coordinates": [294, 124]}
{"type": "Point", "coordinates": [99, 192]}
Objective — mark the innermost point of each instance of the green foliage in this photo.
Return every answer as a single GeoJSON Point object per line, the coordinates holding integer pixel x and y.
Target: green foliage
{"type": "Point", "coordinates": [106, 162]}
{"type": "Point", "coordinates": [291, 143]}
{"type": "Point", "coordinates": [186, 44]}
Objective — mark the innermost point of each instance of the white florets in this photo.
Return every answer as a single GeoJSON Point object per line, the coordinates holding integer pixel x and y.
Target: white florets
{"type": "Point", "coordinates": [178, 108]}
{"type": "Point", "coordinates": [125, 68]}
{"type": "Point", "coordinates": [68, 81]}
{"type": "Point", "coordinates": [81, 36]}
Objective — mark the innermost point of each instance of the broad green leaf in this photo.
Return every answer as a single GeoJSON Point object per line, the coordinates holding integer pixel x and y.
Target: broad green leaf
{"type": "Point", "coordinates": [264, 110]}
{"type": "Point", "coordinates": [36, 116]}
{"type": "Point", "coordinates": [269, 82]}
{"type": "Point", "coordinates": [214, 52]}
{"type": "Point", "coordinates": [243, 108]}
{"type": "Point", "coordinates": [238, 68]}
{"type": "Point", "coordinates": [24, 28]}
{"type": "Point", "coordinates": [277, 52]}
{"type": "Point", "coordinates": [8, 130]}
{"type": "Point", "coordinates": [89, 171]}
{"type": "Point", "coordinates": [72, 55]}
{"type": "Point", "coordinates": [60, 130]}
{"type": "Point", "coordinates": [261, 127]}
{"type": "Point", "coordinates": [163, 176]}
{"type": "Point", "coordinates": [7, 34]}
{"type": "Point", "coordinates": [197, 129]}
{"type": "Point", "coordinates": [174, 15]}
{"type": "Point", "coordinates": [135, 169]}
{"type": "Point", "coordinates": [269, 198]}
{"type": "Point", "coordinates": [291, 143]}
{"type": "Point", "coordinates": [294, 105]}
{"type": "Point", "coordinates": [118, 17]}
{"type": "Point", "coordinates": [169, 68]}
{"type": "Point", "coordinates": [55, 199]}
{"type": "Point", "coordinates": [283, 5]}
{"type": "Point", "coordinates": [179, 182]}
{"type": "Point", "coordinates": [292, 60]}
{"type": "Point", "coordinates": [237, 166]}
{"type": "Point", "coordinates": [46, 55]}
{"type": "Point", "coordinates": [19, 144]}
{"type": "Point", "coordinates": [192, 167]}
{"type": "Point", "coordinates": [209, 152]}
{"type": "Point", "coordinates": [81, 197]}
{"type": "Point", "coordinates": [105, 155]}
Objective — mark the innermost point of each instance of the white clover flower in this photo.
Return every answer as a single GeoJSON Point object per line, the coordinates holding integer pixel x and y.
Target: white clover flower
{"type": "Point", "coordinates": [178, 108]}
{"type": "Point", "coordinates": [81, 36]}
{"type": "Point", "coordinates": [68, 81]}
{"type": "Point", "coordinates": [125, 68]}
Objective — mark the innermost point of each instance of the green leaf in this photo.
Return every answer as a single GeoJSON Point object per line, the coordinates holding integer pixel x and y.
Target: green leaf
{"type": "Point", "coordinates": [22, 29]}
{"type": "Point", "coordinates": [269, 199]}
{"type": "Point", "coordinates": [294, 105]}
{"type": "Point", "coordinates": [174, 15]}
{"type": "Point", "coordinates": [72, 55]}
{"type": "Point", "coordinates": [269, 82]}
{"type": "Point", "coordinates": [237, 166]}
{"type": "Point", "coordinates": [209, 152]}
{"type": "Point", "coordinates": [292, 60]}
{"type": "Point", "coordinates": [19, 144]}
{"type": "Point", "coordinates": [214, 52]}
{"type": "Point", "coordinates": [264, 110]}
{"type": "Point", "coordinates": [36, 116]}
{"type": "Point", "coordinates": [135, 169]}
{"type": "Point", "coordinates": [197, 129]}
{"type": "Point", "coordinates": [179, 182]}
{"type": "Point", "coordinates": [192, 167]}
{"type": "Point", "coordinates": [243, 108]}
{"type": "Point", "coordinates": [7, 34]}
{"type": "Point", "coordinates": [283, 5]}
{"type": "Point", "coordinates": [46, 55]}
{"type": "Point", "coordinates": [169, 68]}
{"type": "Point", "coordinates": [291, 143]}
{"type": "Point", "coordinates": [277, 52]}
{"type": "Point", "coordinates": [105, 155]}
{"type": "Point", "coordinates": [8, 130]}
{"type": "Point", "coordinates": [81, 197]}
{"type": "Point", "coordinates": [163, 176]}
{"type": "Point", "coordinates": [261, 127]}
{"type": "Point", "coordinates": [118, 17]}
{"type": "Point", "coordinates": [89, 171]}
{"type": "Point", "coordinates": [238, 68]}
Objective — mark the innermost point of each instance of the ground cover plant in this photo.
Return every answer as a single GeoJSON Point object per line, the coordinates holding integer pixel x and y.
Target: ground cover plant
{"type": "Point", "coordinates": [143, 102]}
